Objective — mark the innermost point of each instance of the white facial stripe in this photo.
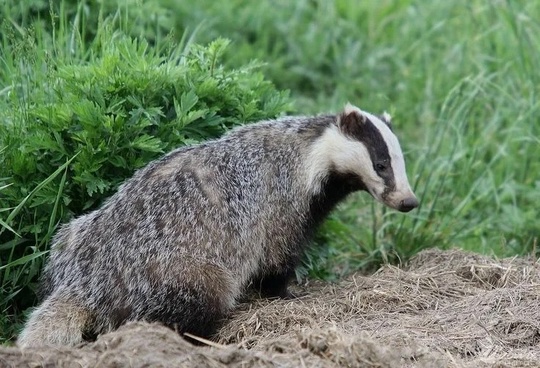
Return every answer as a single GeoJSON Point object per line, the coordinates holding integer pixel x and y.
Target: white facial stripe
{"type": "Point", "coordinates": [345, 154]}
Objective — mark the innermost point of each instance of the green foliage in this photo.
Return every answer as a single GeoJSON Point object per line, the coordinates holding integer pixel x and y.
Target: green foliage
{"type": "Point", "coordinates": [75, 124]}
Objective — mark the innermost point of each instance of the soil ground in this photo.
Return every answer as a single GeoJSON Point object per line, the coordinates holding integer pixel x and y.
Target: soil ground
{"type": "Point", "coordinates": [442, 309]}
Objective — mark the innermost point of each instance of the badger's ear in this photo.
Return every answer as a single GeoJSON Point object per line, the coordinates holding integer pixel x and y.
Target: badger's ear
{"type": "Point", "coordinates": [387, 119]}
{"type": "Point", "coordinates": [351, 120]}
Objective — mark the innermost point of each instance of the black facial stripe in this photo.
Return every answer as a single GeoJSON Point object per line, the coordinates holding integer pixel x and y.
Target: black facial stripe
{"type": "Point", "coordinates": [367, 133]}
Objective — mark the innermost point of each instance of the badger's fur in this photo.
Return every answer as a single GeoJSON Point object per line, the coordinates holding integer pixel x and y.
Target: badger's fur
{"type": "Point", "coordinates": [181, 241]}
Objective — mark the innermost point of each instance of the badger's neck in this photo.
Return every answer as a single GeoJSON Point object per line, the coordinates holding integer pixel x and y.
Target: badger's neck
{"type": "Point", "coordinates": [335, 188]}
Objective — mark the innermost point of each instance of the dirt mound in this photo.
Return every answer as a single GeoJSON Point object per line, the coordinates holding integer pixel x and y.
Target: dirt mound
{"type": "Point", "coordinates": [444, 308]}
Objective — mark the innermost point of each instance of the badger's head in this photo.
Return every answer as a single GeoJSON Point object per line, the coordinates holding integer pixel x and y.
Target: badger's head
{"type": "Point", "coordinates": [363, 147]}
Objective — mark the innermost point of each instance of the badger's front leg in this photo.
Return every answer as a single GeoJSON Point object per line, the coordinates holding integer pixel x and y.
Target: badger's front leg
{"type": "Point", "coordinates": [275, 284]}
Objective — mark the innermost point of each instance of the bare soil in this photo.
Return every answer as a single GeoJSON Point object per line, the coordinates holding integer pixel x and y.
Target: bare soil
{"type": "Point", "coordinates": [442, 309]}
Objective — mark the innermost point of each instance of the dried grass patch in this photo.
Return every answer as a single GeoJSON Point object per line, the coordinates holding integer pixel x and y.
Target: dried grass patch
{"type": "Point", "coordinates": [444, 308]}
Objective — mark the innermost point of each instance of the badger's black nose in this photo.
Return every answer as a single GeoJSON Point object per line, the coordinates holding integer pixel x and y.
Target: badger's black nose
{"type": "Point", "coordinates": [408, 204]}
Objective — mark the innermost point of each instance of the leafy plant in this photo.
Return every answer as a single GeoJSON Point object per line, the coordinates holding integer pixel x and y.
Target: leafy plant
{"type": "Point", "coordinates": [76, 124]}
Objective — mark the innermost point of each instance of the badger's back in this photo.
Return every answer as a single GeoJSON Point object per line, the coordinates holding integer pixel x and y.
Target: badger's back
{"type": "Point", "coordinates": [239, 202]}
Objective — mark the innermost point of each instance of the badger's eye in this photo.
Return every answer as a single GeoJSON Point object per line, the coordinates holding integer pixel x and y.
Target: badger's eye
{"type": "Point", "coordinates": [380, 167]}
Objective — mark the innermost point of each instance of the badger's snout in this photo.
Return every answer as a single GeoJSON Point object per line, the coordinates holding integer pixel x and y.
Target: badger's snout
{"type": "Point", "coordinates": [408, 204]}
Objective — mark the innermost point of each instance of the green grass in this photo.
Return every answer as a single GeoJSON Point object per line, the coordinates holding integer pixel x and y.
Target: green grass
{"type": "Point", "coordinates": [460, 79]}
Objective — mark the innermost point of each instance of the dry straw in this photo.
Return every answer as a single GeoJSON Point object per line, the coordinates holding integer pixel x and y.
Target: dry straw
{"type": "Point", "coordinates": [444, 308]}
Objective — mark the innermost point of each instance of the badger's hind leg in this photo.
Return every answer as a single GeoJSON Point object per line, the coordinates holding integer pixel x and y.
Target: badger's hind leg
{"type": "Point", "coordinates": [192, 298]}
{"type": "Point", "coordinates": [59, 320]}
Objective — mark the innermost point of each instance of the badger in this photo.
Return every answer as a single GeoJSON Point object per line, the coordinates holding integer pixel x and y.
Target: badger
{"type": "Point", "coordinates": [184, 239]}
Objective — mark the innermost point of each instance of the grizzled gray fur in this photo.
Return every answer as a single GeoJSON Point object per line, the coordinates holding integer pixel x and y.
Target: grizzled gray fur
{"type": "Point", "coordinates": [181, 240]}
